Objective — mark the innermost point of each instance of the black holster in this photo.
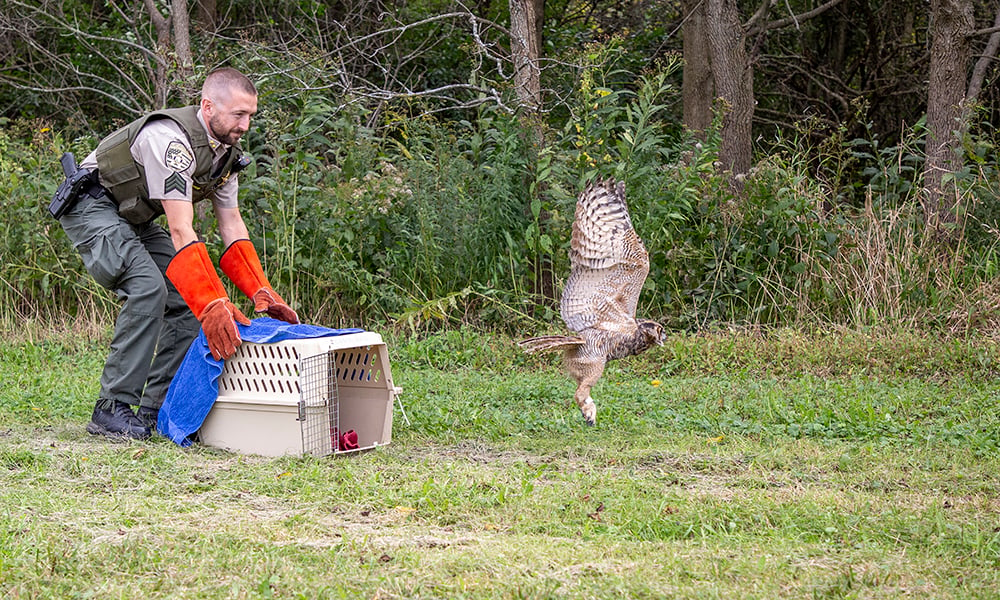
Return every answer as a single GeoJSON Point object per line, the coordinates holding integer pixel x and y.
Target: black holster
{"type": "Point", "coordinates": [78, 182]}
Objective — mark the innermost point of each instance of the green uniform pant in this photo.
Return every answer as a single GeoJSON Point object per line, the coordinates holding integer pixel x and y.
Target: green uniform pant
{"type": "Point", "coordinates": [155, 327]}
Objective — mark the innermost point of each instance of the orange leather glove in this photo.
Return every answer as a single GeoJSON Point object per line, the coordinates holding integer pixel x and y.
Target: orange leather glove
{"type": "Point", "coordinates": [242, 265]}
{"type": "Point", "coordinates": [193, 274]}
{"type": "Point", "coordinates": [218, 321]}
{"type": "Point", "coordinates": [268, 301]}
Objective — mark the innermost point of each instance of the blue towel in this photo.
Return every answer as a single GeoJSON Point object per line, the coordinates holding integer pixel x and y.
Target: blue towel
{"type": "Point", "coordinates": [195, 387]}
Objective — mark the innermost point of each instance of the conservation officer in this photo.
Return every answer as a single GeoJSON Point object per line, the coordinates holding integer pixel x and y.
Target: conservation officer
{"type": "Point", "coordinates": [162, 163]}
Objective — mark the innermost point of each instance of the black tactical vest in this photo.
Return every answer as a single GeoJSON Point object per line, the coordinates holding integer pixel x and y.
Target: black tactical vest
{"type": "Point", "coordinates": [126, 179]}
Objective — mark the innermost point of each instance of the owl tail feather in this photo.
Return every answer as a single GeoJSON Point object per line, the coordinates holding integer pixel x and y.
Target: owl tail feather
{"type": "Point", "coordinates": [550, 343]}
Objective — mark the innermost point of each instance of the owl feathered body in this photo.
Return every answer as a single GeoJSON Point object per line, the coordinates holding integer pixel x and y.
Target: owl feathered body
{"type": "Point", "coordinates": [608, 267]}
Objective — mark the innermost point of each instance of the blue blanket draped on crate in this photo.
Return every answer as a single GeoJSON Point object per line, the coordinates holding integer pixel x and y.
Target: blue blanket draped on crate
{"type": "Point", "coordinates": [195, 387]}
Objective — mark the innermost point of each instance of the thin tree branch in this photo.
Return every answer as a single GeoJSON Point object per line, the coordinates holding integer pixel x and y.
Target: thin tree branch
{"type": "Point", "coordinates": [759, 15]}
{"type": "Point", "coordinates": [798, 18]}
{"type": "Point", "coordinates": [987, 31]}
{"type": "Point", "coordinates": [983, 63]}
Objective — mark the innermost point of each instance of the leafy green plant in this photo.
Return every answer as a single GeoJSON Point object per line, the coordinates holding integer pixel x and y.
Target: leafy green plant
{"type": "Point", "coordinates": [890, 174]}
{"type": "Point", "coordinates": [41, 275]}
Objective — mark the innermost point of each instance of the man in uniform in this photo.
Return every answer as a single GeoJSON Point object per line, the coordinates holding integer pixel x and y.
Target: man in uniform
{"type": "Point", "coordinates": [161, 164]}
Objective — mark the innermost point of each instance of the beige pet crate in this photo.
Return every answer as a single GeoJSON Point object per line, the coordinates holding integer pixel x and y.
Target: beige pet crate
{"type": "Point", "coordinates": [298, 397]}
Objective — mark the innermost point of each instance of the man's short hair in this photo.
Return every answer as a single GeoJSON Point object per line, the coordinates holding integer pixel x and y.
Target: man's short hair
{"type": "Point", "coordinates": [220, 82]}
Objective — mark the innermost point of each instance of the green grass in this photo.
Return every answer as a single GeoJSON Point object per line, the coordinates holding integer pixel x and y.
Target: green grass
{"type": "Point", "coordinates": [723, 466]}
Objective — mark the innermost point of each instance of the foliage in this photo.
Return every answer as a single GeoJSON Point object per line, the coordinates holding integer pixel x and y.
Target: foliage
{"type": "Point", "coordinates": [427, 224]}
{"type": "Point", "coordinates": [41, 275]}
{"type": "Point", "coordinates": [369, 215]}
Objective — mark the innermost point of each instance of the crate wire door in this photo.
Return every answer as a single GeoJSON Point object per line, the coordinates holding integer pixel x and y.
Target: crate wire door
{"type": "Point", "coordinates": [319, 406]}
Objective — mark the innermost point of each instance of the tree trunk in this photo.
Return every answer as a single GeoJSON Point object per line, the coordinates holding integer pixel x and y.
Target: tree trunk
{"type": "Point", "coordinates": [697, 87]}
{"type": "Point", "coordinates": [186, 86]}
{"type": "Point", "coordinates": [951, 24]}
{"type": "Point", "coordinates": [524, 47]}
{"type": "Point", "coordinates": [182, 35]}
{"type": "Point", "coordinates": [208, 15]}
{"type": "Point", "coordinates": [178, 45]}
{"type": "Point", "coordinates": [162, 26]}
{"type": "Point", "coordinates": [733, 85]}
{"type": "Point", "coordinates": [539, 11]}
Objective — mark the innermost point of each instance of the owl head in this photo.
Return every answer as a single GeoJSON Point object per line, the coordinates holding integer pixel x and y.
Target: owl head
{"type": "Point", "coordinates": [652, 332]}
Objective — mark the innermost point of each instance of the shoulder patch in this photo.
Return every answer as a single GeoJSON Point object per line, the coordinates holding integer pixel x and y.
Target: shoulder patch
{"type": "Point", "coordinates": [177, 157]}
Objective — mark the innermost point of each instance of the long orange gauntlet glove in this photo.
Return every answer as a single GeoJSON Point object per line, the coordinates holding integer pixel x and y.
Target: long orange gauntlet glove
{"type": "Point", "coordinates": [241, 264]}
{"type": "Point", "coordinates": [193, 274]}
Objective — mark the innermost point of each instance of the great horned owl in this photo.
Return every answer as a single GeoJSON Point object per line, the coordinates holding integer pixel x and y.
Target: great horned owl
{"type": "Point", "coordinates": [608, 266]}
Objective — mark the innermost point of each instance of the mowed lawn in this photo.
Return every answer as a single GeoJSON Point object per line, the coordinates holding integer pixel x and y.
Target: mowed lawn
{"type": "Point", "coordinates": [722, 466]}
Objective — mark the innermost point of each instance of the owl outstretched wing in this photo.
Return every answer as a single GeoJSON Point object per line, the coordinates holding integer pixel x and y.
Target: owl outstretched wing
{"type": "Point", "coordinates": [608, 262]}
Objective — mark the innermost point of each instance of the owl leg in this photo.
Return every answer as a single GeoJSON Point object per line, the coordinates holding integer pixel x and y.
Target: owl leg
{"type": "Point", "coordinates": [583, 399]}
{"type": "Point", "coordinates": [585, 371]}
{"type": "Point", "coordinates": [586, 404]}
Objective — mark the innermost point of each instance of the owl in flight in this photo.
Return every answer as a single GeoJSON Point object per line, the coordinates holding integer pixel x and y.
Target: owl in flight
{"type": "Point", "coordinates": [608, 266]}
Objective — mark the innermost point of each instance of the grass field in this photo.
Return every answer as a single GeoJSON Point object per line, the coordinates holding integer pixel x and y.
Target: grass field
{"type": "Point", "coordinates": [722, 466]}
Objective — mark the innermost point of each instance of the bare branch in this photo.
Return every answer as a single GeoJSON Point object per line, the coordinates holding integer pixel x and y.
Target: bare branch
{"type": "Point", "coordinates": [796, 19]}
{"type": "Point", "coordinates": [160, 23]}
{"type": "Point", "coordinates": [74, 31]}
{"type": "Point", "coordinates": [983, 63]}
{"type": "Point", "coordinates": [355, 58]}
{"type": "Point", "coordinates": [987, 31]}
{"type": "Point", "coordinates": [759, 15]}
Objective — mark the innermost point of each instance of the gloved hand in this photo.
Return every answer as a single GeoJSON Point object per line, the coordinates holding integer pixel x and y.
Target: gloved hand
{"type": "Point", "coordinates": [268, 301]}
{"type": "Point", "coordinates": [218, 321]}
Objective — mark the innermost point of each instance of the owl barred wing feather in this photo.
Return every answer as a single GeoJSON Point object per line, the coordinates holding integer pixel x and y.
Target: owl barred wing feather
{"type": "Point", "coordinates": [550, 343]}
{"type": "Point", "coordinates": [608, 261]}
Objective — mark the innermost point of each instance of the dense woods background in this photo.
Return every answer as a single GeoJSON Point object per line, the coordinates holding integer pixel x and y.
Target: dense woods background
{"type": "Point", "coordinates": [787, 161]}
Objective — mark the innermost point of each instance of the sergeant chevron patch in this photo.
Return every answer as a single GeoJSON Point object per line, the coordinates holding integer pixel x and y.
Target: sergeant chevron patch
{"type": "Point", "coordinates": [174, 182]}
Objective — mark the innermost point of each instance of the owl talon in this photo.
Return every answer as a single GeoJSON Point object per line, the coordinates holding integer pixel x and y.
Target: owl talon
{"type": "Point", "coordinates": [589, 410]}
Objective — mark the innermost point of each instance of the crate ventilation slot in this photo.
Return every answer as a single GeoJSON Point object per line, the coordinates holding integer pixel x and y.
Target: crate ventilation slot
{"type": "Point", "coordinates": [262, 369]}
{"type": "Point", "coordinates": [358, 365]}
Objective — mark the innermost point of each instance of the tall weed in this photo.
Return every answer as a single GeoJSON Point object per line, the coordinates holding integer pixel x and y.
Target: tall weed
{"type": "Point", "coordinates": [41, 277]}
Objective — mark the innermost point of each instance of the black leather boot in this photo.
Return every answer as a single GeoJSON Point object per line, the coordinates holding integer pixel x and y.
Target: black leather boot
{"type": "Point", "coordinates": [148, 416]}
{"type": "Point", "coordinates": [117, 422]}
